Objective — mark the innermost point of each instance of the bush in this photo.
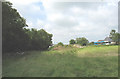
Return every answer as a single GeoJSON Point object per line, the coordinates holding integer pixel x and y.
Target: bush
{"type": "Point", "coordinates": [72, 41]}
{"type": "Point", "coordinates": [60, 44]}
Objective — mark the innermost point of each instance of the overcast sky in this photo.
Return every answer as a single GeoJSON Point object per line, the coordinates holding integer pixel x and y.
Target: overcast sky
{"type": "Point", "coordinates": [70, 20]}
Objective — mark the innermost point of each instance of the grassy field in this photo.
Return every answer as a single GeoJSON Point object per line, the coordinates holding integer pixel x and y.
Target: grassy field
{"type": "Point", "coordinates": [91, 61]}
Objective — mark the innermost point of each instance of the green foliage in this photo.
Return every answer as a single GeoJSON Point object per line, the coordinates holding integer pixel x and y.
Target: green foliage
{"type": "Point", "coordinates": [72, 41]}
{"type": "Point", "coordinates": [13, 34]}
{"type": "Point", "coordinates": [66, 46]}
{"type": "Point", "coordinates": [39, 39]}
{"type": "Point", "coordinates": [60, 44]}
{"type": "Point", "coordinates": [17, 37]}
{"type": "Point", "coordinates": [112, 33]}
{"type": "Point", "coordinates": [115, 36]}
{"type": "Point", "coordinates": [91, 43]}
{"type": "Point", "coordinates": [82, 41]}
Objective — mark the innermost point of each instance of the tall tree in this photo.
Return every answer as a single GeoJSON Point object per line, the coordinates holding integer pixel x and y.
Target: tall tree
{"type": "Point", "coordinates": [115, 36]}
{"type": "Point", "coordinates": [112, 33]}
{"type": "Point", "coordinates": [14, 36]}
{"type": "Point", "coordinates": [17, 37]}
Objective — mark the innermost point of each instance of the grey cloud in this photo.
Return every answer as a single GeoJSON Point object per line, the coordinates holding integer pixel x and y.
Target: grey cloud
{"type": "Point", "coordinates": [85, 5]}
{"type": "Point", "coordinates": [65, 22]}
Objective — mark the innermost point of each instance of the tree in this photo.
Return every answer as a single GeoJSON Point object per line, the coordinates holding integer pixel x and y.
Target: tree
{"type": "Point", "coordinates": [115, 36]}
{"type": "Point", "coordinates": [82, 41]}
{"type": "Point", "coordinates": [112, 33]}
{"type": "Point", "coordinates": [72, 41]}
{"type": "Point", "coordinates": [13, 34]}
{"type": "Point", "coordinates": [60, 44]}
{"type": "Point", "coordinates": [17, 37]}
{"type": "Point", "coordinates": [39, 39]}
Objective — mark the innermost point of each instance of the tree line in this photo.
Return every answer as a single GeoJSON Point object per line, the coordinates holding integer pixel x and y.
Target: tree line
{"type": "Point", "coordinates": [82, 41]}
{"type": "Point", "coordinates": [115, 36]}
{"type": "Point", "coordinates": [16, 37]}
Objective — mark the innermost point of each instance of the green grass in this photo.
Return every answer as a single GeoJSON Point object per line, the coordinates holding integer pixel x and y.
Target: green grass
{"type": "Point", "coordinates": [92, 61]}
